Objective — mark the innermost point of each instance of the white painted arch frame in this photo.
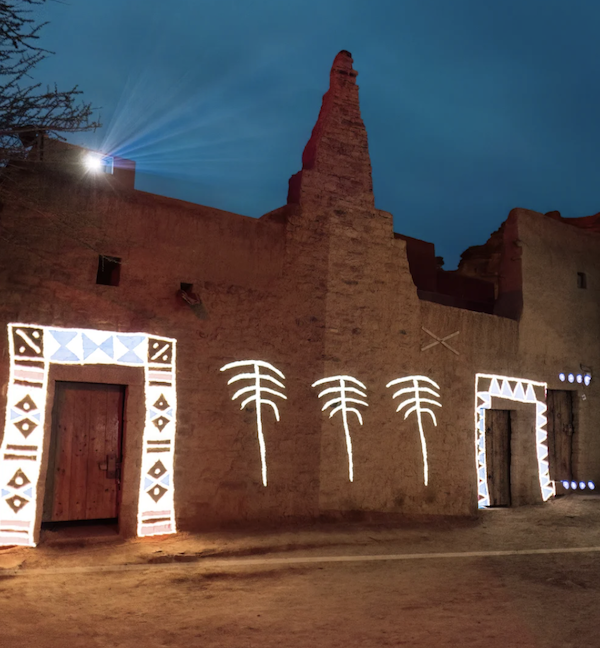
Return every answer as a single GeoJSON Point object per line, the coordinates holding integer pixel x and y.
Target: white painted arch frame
{"type": "Point", "coordinates": [32, 350]}
{"type": "Point", "coordinates": [488, 386]}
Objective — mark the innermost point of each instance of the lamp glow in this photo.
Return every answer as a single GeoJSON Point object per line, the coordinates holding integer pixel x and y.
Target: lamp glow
{"type": "Point", "coordinates": [574, 485]}
{"type": "Point", "coordinates": [566, 485]}
{"type": "Point", "coordinates": [579, 378]}
{"type": "Point", "coordinates": [571, 378]}
{"type": "Point", "coordinates": [591, 485]}
{"type": "Point", "coordinates": [561, 377]}
{"type": "Point", "coordinates": [587, 379]}
{"type": "Point", "coordinates": [93, 162]}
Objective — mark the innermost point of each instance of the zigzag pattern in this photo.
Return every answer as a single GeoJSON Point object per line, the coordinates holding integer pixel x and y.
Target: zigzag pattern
{"type": "Point", "coordinates": [516, 389]}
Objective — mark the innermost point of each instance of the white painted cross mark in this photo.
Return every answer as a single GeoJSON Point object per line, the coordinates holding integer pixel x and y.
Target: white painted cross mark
{"type": "Point", "coordinates": [440, 340]}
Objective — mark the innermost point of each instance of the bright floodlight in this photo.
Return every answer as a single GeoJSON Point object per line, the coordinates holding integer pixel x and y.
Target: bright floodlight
{"type": "Point", "coordinates": [561, 377]}
{"type": "Point", "coordinates": [571, 378]}
{"type": "Point", "coordinates": [591, 485]}
{"type": "Point", "coordinates": [579, 378]}
{"type": "Point", "coordinates": [587, 379]}
{"type": "Point", "coordinates": [93, 162]}
{"type": "Point", "coordinates": [566, 485]}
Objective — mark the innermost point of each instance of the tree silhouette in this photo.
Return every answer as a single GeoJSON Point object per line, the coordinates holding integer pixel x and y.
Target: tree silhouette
{"type": "Point", "coordinates": [419, 393]}
{"type": "Point", "coordinates": [339, 403]}
{"type": "Point", "coordinates": [27, 111]}
{"type": "Point", "coordinates": [257, 390]}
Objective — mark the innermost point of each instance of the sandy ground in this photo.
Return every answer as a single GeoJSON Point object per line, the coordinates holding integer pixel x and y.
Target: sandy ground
{"type": "Point", "coordinates": [250, 589]}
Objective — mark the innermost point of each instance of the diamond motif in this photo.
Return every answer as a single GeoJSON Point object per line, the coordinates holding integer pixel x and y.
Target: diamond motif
{"type": "Point", "coordinates": [26, 404]}
{"type": "Point", "coordinates": [26, 427]}
{"type": "Point", "coordinates": [156, 492]}
{"type": "Point", "coordinates": [19, 479]}
{"type": "Point", "coordinates": [16, 502]}
{"type": "Point", "coordinates": [160, 423]}
{"type": "Point", "coordinates": [161, 403]}
{"type": "Point", "coordinates": [158, 470]}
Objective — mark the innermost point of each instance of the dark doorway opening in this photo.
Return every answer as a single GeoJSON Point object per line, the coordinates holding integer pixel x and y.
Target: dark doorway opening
{"type": "Point", "coordinates": [498, 456]}
{"type": "Point", "coordinates": [561, 430]}
{"type": "Point", "coordinates": [83, 479]}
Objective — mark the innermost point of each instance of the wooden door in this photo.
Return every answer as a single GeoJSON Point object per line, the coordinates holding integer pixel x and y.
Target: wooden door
{"type": "Point", "coordinates": [85, 454]}
{"type": "Point", "coordinates": [560, 434]}
{"type": "Point", "coordinates": [497, 450]}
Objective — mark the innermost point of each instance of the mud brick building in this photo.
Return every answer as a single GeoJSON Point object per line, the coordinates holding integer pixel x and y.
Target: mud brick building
{"type": "Point", "coordinates": [135, 326]}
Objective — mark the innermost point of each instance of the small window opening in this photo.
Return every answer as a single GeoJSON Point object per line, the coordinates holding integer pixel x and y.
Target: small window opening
{"type": "Point", "coordinates": [109, 271]}
{"type": "Point", "coordinates": [186, 287]}
{"type": "Point", "coordinates": [581, 280]}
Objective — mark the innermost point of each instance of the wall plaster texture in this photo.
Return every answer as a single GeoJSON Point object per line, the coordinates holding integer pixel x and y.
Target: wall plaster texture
{"type": "Point", "coordinates": [318, 287]}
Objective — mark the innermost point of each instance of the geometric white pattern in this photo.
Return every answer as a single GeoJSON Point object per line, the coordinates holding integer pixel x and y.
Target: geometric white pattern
{"type": "Point", "coordinates": [343, 395]}
{"type": "Point", "coordinates": [419, 395]}
{"type": "Point", "coordinates": [32, 349]}
{"type": "Point", "coordinates": [521, 390]}
{"type": "Point", "coordinates": [259, 393]}
{"type": "Point", "coordinates": [156, 504]}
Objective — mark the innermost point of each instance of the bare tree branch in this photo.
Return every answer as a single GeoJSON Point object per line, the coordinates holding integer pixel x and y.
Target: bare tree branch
{"type": "Point", "coordinates": [26, 110]}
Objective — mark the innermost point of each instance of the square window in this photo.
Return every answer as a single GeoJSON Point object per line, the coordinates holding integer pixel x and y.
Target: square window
{"type": "Point", "coordinates": [109, 271]}
{"type": "Point", "coordinates": [581, 280]}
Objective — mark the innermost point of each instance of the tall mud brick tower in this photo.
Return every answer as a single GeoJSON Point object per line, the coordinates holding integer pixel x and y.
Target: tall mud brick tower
{"type": "Point", "coordinates": [336, 168]}
{"type": "Point", "coordinates": [370, 308]}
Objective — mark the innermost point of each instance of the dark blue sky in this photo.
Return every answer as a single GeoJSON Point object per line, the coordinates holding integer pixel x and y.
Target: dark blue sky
{"type": "Point", "coordinates": [472, 107]}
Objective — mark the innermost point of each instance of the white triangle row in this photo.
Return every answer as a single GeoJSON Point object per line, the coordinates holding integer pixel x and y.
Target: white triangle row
{"type": "Point", "coordinates": [523, 390]}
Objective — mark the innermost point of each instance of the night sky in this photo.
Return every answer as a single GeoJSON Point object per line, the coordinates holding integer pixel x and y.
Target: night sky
{"type": "Point", "coordinates": [472, 107]}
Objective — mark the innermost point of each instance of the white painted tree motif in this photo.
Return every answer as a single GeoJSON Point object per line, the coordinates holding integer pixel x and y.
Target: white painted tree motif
{"type": "Point", "coordinates": [257, 391]}
{"type": "Point", "coordinates": [419, 395]}
{"type": "Point", "coordinates": [339, 403]}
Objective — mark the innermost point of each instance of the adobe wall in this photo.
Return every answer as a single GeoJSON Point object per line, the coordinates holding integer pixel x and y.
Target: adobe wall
{"type": "Point", "coordinates": [485, 344]}
{"type": "Point", "coordinates": [372, 320]}
{"type": "Point", "coordinates": [318, 288]}
{"type": "Point", "coordinates": [220, 469]}
{"type": "Point", "coordinates": [263, 300]}
{"type": "Point", "coordinates": [560, 322]}
{"type": "Point", "coordinates": [372, 326]}
{"type": "Point", "coordinates": [315, 292]}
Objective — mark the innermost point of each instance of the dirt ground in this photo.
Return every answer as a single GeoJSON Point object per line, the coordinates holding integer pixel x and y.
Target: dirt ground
{"type": "Point", "coordinates": [323, 586]}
